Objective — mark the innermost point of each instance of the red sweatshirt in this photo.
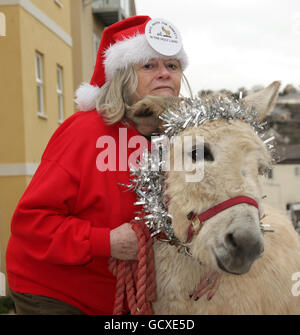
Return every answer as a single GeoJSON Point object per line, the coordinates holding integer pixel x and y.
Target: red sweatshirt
{"type": "Point", "coordinates": [59, 245]}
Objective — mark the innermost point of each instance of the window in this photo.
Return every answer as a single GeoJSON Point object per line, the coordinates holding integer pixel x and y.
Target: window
{"type": "Point", "coordinates": [59, 90]}
{"type": "Point", "coordinates": [297, 171]}
{"type": "Point", "coordinates": [96, 46]}
{"type": "Point", "coordinates": [40, 84]}
{"type": "Point", "coordinates": [270, 174]}
{"type": "Point", "coordinates": [125, 5]}
{"type": "Point", "coordinates": [2, 25]}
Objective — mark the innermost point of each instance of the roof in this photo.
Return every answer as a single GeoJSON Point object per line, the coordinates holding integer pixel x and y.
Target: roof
{"type": "Point", "coordinates": [289, 154]}
{"type": "Point", "coordinates": [291, 98]}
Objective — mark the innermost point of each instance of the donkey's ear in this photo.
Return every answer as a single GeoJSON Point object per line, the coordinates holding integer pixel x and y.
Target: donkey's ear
{"type": "Point", "coordinates": [264, 101]}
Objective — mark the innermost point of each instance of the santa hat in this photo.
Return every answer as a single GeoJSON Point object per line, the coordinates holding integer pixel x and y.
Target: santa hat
{"type": "Point", "coordinates": [126, 43]}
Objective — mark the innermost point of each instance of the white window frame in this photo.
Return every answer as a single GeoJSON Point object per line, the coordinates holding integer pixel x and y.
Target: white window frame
{"type": "Point", "coordinates": [39, 77]}
{"type": "Point", "coordinates": [60, 93]}
{"type": "Point", "coordinates": [2, 24]}
{"type": "Point", "coordinates": [59, 3]}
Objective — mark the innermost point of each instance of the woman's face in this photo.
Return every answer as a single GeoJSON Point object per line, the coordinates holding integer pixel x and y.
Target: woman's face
{"type": "Point", "coordinates": [158, 77]}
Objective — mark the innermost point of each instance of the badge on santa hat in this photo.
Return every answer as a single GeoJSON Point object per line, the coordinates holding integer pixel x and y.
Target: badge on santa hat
{"type": "Point", "coordinates": [132, 41]}
{"type": "Point", "coordinates": [163, 37]}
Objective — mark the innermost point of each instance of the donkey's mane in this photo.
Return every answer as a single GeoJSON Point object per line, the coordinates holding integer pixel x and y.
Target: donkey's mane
{"type": "Point", "coordinates": [195, 112]}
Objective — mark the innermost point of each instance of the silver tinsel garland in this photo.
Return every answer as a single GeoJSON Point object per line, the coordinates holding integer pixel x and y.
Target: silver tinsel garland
{"type": "Point", "coordinates": [148, 179]}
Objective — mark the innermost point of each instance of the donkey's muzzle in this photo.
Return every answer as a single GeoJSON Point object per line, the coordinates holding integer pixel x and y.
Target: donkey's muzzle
{"type": "Point", "coordinates": [242, 246]}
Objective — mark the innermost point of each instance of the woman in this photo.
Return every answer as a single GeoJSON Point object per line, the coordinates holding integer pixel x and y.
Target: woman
{"type": "Point", "coordinates": [74, 215]}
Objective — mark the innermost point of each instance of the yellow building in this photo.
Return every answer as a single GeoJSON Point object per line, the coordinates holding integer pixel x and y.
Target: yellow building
{"type": "Point", "coordinates": [282, 185]}
{"type": "Point", "coordinates": [47, 49]}
{"type": "Point", "coordinates": [89, 19]}
{"type": "Point", "coordinates": [36, 85]}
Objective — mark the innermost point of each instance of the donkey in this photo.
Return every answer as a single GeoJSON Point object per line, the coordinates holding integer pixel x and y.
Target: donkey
{"type": "Point", "coordinates": [256, 271]}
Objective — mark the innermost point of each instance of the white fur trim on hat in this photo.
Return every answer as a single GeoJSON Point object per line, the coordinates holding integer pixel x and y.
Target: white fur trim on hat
{"type": "Point", "coordinates": [134, 50]}
{"type": "Point", "coordinates": [86, 96]}
{"type": "Point", "coordinates": [130, 51]}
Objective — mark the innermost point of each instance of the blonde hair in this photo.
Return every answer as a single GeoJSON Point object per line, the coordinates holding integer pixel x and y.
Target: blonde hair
{"type": "Point", "coordinates": [118, 92]}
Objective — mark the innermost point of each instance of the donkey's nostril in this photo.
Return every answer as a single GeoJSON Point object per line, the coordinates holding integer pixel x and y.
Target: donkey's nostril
{"type": "Point", "coordinates": [231, 240]}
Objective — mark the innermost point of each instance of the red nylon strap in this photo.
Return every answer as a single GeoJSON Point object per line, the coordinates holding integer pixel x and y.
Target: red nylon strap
{"type": "Point", "coordinates": [219, 208]}
{"type": "Point", "coordinates": [226, 204]}
{"type": "Point", "coordinates": [190, 232]}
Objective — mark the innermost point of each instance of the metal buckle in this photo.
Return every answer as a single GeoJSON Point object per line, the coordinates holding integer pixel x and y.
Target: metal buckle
{"type": "Point", "coordinates": [197, 225]}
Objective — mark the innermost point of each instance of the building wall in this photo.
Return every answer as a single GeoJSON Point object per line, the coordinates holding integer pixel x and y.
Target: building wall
{"type": "Point", "coordinates": [284, 187]}
{"type": "Point", "coordinates": [76, 15]}
{"type": "Point", "coordinates": [84, 26]}
{"type": "Point", "coordinates": [36, 37]}
{"type": "Point", "coordinates": [12, 120]}
{"type": "Point", "coordinates": [31, 26]}
{"type": "Point", "coordinates": [64, 36]}
{"type": "Point", "coordinates": [12, 148]}
{"type": "Point", "coordinates": [61, 15]}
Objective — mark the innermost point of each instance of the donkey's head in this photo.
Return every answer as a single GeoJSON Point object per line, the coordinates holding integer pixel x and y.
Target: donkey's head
{"type": "Point", "coordinates": [233, 156]}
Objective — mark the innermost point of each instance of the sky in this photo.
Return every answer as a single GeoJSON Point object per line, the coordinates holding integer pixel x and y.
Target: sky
{"type": "Point", "coordinates": [234, 43]}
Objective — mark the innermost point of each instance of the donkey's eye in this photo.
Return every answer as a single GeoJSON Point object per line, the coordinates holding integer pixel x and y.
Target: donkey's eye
{"type": "Point", "coordinates": [208, 156]}
{"type": "Point", "coordinates": [196, 155]}
{"type": "Point", "coordinates": [201, 153]}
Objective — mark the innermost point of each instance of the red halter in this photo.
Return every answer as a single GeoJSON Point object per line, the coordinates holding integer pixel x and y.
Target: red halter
{"type": "Point", "coordinates": [215, 210]}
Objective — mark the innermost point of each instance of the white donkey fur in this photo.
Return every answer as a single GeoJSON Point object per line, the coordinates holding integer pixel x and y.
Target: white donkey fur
{"type": "Point", "coordinates": [239, 155]}
{"type": "Point", "coordinates": [265, 289]}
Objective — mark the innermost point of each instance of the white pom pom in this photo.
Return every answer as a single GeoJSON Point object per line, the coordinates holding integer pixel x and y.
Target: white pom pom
{"type": "Point", "coordinates": [86, 96]}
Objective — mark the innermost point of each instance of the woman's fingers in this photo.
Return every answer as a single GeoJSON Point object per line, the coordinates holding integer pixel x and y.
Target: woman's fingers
{"type": "Point", "coordinates": [214, 288]}
{"type": "Point", "coordinates": [208, 283]}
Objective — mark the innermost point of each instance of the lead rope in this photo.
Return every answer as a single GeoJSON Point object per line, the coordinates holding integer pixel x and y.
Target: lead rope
{"type": "Point", "coordinates": [136, 279]}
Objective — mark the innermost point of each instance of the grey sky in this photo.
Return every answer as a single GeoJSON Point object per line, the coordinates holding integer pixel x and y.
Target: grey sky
{"type": "Point", "coordinates": [234, 43]}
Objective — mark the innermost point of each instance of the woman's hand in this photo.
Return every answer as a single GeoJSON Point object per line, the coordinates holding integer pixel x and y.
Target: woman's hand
{"type": "Point", "coordinates": [124, 243]}
{"type": "Point", "coordinates": [208, 283]}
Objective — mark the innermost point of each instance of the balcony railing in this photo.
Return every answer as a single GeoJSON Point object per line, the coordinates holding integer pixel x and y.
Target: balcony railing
{"type": "Point", "coordinates": [107, 11]}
